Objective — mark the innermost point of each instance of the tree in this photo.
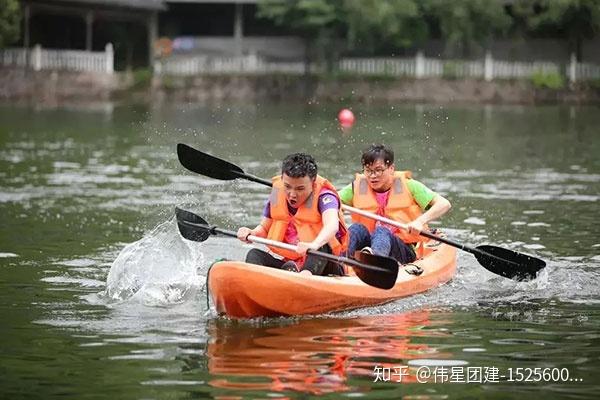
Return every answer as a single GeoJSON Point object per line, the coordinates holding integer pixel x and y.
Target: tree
{"type": "Point", "coordinates": [465, 23]}
{"type": "Point", "coordinates": [577, 19]}
{"type": "Point", "coordinates": [317, 21]}
{"type": "Point", "coordinates": [375, 23]}
{"type": "Point", "coordinates": [10, 22]}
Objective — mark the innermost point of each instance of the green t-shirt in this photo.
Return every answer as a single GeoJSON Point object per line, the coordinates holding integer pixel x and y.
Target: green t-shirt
{"type": "Point", "coordinates": [421, 193]}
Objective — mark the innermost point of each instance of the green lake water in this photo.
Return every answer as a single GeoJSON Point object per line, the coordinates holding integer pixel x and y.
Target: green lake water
{"type": "Point", "coordinates": [101, 298]}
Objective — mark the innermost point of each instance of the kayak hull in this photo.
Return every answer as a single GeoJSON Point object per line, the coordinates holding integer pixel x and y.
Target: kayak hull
{"type": "Point", "coordinates": [242, 290]}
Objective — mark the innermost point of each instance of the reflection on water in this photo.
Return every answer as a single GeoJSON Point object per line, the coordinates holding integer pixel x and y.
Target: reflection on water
{"type": "Point", "coordinates": [316, 355]}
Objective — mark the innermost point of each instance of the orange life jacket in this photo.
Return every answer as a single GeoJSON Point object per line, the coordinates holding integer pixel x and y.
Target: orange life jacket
{"type": "Point", "coordinates": [307, 220]}
{"type": "Point", "coordinates": [401, 205]}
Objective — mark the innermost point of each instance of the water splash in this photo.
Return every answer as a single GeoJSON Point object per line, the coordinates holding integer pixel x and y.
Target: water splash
{"type": "Point", "coordinates": [158, 270]}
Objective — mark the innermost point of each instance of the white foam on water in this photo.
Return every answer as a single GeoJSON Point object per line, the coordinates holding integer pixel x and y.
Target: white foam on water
{"type": "Point", "coordinates": [534, 246]}
{"type": "Point", "coordinates": [8, 255]}
{"type": "Point", "coordinates": [66, 165]}
{"type": "Point", "coordinates": [80, 262]}
{"type": "Point", "coordinates": [70, 281]}
{"type": "Point", "coordinates": [474, 221]}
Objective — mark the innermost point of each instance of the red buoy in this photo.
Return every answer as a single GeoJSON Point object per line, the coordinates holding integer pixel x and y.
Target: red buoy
{"type": "Point", "coordinates": [346, 118]}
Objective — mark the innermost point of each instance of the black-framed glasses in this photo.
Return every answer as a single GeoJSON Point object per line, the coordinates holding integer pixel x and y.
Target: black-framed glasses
{"type": "Point", "coordinates": [374, 172]}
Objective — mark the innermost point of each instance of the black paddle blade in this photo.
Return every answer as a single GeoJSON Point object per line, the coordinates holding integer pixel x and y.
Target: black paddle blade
{"type": "Point", "coordinates": [205, 164]}
{"type": "Point", "coordinates": [509, 264]}
{"type": "Point", "coordinates": [192, 226]}
{"type": "Point", "coordinates": [379, 279]}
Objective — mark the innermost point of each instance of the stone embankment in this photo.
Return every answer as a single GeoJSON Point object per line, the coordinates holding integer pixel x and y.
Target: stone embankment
{"type": "Point", "coordinates": [55, 87]}
{"type": "Point", "coordinates": [59, 87]}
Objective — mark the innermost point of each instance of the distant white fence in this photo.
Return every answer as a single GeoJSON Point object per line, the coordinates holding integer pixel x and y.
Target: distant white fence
{"type": "Point", "coordinates": [225, 65]}
{"type": "Point", "coordinates": [415, 67]}
{"type": "Point", "coordinates": [488, 68]}
{"type": "Point", "coordinates": [587, 71]}
{"type": "Point", "coordinates": [71, 60]}
{"type": "Point", "coordinates": [378, 66]}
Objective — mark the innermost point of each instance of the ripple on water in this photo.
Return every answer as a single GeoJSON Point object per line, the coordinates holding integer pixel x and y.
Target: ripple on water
{"type": "Point", "coordinates": [474, 350]}
{"type": "Point", "coordinates": [533, 212]}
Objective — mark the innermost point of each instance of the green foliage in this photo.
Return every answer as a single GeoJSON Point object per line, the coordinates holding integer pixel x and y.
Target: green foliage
{"type": "Point", "coordinates": [552, 80]}
{"type": "Point", "coordinates": [318, 21]}
{"type": "Point", "coordinates": [464, 23]}
{"type": "Point", "coordinates": [576, 19]}
{"type": "Point", "coordinates": [10, 22]}
{"type": "Point", "coordinates": [169, 82]}
{"type": "Point", "coordinates": [385, 26]}
{"type": "Point", "coordinates": [310, 18]}
{"type": "Point", "coordinates": [371, 23]}
{"type": "Point", "coordinates": [579, 17]}
{"type": "Point", "coordinates": [141, 78]}
{"type": "Point", "coordinates": [366, 24]}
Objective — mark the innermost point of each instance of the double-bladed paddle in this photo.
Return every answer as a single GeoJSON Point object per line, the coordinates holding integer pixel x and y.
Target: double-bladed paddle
{"type": "Point", "coordinates": [377, 271]}
{"type": "Point", "coordinates": [504, 262]}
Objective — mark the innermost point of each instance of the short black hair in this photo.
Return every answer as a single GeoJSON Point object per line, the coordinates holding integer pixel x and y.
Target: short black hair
{"type": "Point", "coordinates": [299, 165]}
{"type": "Point", "coordinates": [377, 152]}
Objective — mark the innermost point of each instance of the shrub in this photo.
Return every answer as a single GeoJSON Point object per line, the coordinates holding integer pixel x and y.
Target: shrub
{"type": "Point", "coordinates": [450, 70]}
{"type": "Point", "coordinates": [141, 78]}
{"type": "Point", "coordinates": [550, 80]}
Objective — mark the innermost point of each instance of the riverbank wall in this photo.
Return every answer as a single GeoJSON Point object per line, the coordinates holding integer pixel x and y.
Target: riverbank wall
{"type": "Point", "coordinates": [56, 87]}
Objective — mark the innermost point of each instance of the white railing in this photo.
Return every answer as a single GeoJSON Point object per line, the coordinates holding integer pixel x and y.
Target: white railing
{"type": "Point", "coordinates": [72, 60]}
{"type": "Point", "coordinates": [378, 66]}
{"type": "Point", "coordinates": [426, 67]}
{"type": "Point", "coordinates": [584, 72]}
{"type": "Point", "coordinates": [508, 70]}
{"type": "Point", "coordinates": [14, 57]}
{"type": "Point", "coordinates": [416, 67]}
{"type": "Point", "coordinates": [225, 65]}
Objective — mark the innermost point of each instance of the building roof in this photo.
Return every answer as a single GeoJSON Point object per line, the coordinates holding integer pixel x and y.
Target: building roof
{"type": "Point", "coordinates": [139, 4]}
{"type": "Point", "coordinates": [134, 4]}
{"type": "Point", "coordinates": [214, 1]}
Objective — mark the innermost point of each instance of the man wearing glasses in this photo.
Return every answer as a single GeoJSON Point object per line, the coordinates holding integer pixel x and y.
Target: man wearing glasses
{"type": "Point", "coordinates": [382, 190]}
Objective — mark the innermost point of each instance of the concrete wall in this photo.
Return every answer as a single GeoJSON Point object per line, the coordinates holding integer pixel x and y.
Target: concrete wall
{"type": "Point", "coordinates": [60, 88]}
{"type": "Point", "coordinates": [54, 87]}
{"type": "Point", "coordinates": [207, 88]}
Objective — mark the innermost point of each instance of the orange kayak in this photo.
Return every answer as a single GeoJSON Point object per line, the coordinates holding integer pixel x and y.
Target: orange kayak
{"type": "Point", "coordinates": [241, 290]}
